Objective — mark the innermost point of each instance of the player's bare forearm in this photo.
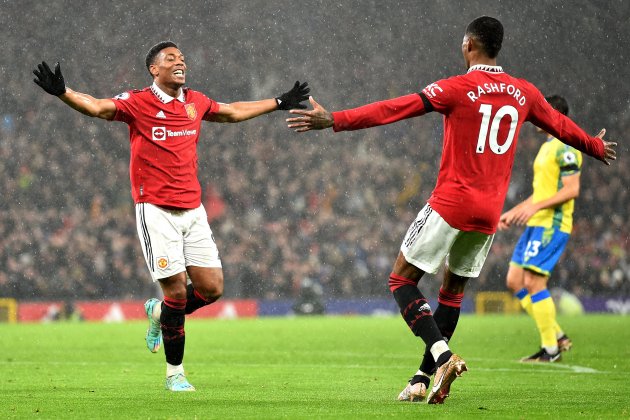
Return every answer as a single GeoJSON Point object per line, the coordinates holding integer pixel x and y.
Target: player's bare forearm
{"type": "Point", "coordinates": [521, 214]}
{"type": "Point", "coordinates": [525, 202]}
{"type": "Point", "coordinates": [242, 111]}
{"type": "Point", "coordinates": [53, 83]}
{"type": "Point", "coordinates": [88, 105]}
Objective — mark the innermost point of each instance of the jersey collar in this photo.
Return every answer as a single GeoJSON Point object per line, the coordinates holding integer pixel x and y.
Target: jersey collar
{"type": "Point", "coordinates": [164, 97]}
{"type": "Point", "coordinates": [485, 67]}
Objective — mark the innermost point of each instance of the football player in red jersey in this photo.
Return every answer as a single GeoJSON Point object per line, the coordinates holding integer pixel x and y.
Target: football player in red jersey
{"type": "Point", "coordinates": [483, 113]}
{"type": "Point", "coordinates": [164, 124]}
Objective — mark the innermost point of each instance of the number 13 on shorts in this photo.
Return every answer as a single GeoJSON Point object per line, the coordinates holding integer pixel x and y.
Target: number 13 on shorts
{"type": "Point", "coordinates": [532, 249]}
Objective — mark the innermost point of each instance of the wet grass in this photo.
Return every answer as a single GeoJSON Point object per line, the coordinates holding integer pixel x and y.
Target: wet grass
{"type": "Point", "coordinates": [322, 367]}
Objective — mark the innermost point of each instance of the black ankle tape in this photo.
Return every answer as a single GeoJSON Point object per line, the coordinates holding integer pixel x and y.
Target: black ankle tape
{"type": "Point", "coordinates": [443, 358]}
{"type": "Point", "coordinates": [420, 378]}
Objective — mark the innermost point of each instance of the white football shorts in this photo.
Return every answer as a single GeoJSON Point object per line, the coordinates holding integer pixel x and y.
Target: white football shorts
{"type": "Point", "coordinates": [175, 239]}
{"type": "Point", "coordinates": [430, 240]}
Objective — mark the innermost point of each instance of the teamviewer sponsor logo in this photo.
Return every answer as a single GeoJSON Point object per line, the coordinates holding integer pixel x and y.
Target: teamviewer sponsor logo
{"type": "Point", "coordinates": [158, 133]}
{"type": "Point", "coordinates": [161, 133]}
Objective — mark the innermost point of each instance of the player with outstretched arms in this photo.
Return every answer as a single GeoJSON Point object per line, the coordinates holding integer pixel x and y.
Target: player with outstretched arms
{"type": "Point", "coordinates": [164, 122]}
{"type": "Point", "coordinates": [483, 110]}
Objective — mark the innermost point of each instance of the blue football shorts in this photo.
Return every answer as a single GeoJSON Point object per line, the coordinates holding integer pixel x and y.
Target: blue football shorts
{"type": "Point", "coordinates": [539, 249]}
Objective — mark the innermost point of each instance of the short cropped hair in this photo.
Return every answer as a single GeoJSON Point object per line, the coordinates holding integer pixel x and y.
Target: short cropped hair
{"type": "Point", "coordinates": [488, 31]}
{"type": "Point", "coordinates": [155, 50]}
{"type": "Point", "coordinates": [558, 103]}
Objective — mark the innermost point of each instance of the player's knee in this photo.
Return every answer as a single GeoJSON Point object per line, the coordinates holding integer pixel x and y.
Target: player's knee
{"type": "Point", "coordinates": [513, 284]}
{"type": "Point", "coordinates": [217, 291]}
{"type": "Point", "coordinates": [535, 282]}
{"type": "Point", "coordinates": [213, 289]}
{"type": "Point", "coordinates": [174, 287]}
{"type": "Point", "coordinates": [453, 283]}
{"type": "Point", "coordinates": [514, 280]}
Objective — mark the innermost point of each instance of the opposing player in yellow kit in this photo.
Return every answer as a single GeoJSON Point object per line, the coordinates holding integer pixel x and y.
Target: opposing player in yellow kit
{"type": "Point", "coordinates": [548, 213]}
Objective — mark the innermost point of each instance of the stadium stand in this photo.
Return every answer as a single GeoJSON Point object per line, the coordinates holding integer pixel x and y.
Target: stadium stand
{"type": "Point", "coordinates": [329, 207]}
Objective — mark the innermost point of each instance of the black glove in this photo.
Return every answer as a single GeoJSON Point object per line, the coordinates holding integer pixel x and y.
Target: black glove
{"type": "Point", "coordinates": [292, 99]}
{"type": "Point", "coordinates": [51, 82]}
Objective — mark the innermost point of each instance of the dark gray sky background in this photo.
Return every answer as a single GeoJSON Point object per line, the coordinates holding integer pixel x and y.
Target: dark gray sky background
{"type": "Point", "coordinates": [350, 51]}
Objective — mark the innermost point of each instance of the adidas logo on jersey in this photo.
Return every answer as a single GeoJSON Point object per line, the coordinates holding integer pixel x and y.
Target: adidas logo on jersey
{"type": "Point", "coordinates": [160, 115]}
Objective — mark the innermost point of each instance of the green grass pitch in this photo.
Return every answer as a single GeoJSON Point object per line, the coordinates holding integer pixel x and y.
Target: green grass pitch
{"type": "Point", "coordinates": [317, 368]}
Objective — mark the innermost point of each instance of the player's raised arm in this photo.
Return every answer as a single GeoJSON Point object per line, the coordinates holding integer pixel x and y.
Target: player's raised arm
{"type": "Point", "coordinates": [543, 115]}
{"type": "Point", "coordinates": [54, 84]}
{"type": "Point", "coordinates": [370, 115]}
{"type": "Point", "coordinates": [241, 111]}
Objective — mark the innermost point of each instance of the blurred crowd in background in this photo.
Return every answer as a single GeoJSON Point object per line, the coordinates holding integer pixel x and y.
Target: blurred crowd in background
{"type": "Point", "coordinates": [285, 208]}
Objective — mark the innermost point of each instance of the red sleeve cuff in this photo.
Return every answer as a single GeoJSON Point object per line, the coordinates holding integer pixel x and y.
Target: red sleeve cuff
{"type": "Point", "coordinates": [600, 147]}
{"type": "Point", "coordinates": [340, 121]}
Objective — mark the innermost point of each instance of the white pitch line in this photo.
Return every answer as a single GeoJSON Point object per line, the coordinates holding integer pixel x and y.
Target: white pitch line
{"type": "Point", "coordinates": [567, 368]}
{"type": "Point", "coordinates": [540, 367]}
{"type": "Point", "coordinates": [578, 369]}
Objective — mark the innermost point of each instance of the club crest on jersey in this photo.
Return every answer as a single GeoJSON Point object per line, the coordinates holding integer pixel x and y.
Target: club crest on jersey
{"type": "Point", "coordinates": [162, 262]}
{"type": "Point", "coordinates": [158, 133]}
{"type": "Point", "coordinates": [191, 111]}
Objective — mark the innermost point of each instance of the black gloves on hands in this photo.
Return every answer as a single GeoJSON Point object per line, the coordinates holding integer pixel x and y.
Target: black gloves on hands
{"type": "Point", "coordinates": [292, 99]}
{"type": "Point", "coordinates": [51, 82]}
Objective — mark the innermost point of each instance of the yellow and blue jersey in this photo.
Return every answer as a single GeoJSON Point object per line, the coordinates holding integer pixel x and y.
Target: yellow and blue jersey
{"type": "Point", "coordinates": [553, 161]}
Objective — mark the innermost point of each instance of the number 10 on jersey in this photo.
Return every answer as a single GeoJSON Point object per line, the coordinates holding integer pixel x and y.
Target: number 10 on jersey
{"type": "Point", "coordinates": [492, 141]}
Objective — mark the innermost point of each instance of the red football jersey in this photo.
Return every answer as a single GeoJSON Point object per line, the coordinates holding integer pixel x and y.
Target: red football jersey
{"type": "Point", "coordinates": [164, 133]}
{"type": "Point", "coordinates": [483, 110]}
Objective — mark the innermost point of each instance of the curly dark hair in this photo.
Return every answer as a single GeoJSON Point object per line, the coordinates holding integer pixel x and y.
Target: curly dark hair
{"type": "Point", "coordinates": [558, 103]}
{"type": "Point", "coordinates": [488, 31]}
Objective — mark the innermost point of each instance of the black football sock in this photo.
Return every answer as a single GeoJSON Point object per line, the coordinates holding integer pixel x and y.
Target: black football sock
{"type": "Point", "coordinates": [194, 300]}
{"type": "Point", "coordinates": [416, 312]}
{"type": "Point", "coordinates": [172, 322]}
{"type": "Point", "coordinates": [446, 316]}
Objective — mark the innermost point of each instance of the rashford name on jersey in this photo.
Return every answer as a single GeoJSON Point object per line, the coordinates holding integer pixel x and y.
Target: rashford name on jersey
{"type": "Point", "coordinates": [490, 88]}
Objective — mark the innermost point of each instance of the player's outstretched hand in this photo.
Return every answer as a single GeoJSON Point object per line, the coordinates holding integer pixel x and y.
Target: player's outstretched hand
{"type": "Point", "coordinates": [294, 97]}
{"type": "Point", "coordinates": [609, 148]}
{"type": "Point", "coordinates": [317, 119]}
{"type": "Point", "coordinates": [52, 83]}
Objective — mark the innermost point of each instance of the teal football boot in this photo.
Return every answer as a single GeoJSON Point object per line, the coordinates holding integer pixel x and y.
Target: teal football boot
{"type": "Point", "coordinates": [154, 332]}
